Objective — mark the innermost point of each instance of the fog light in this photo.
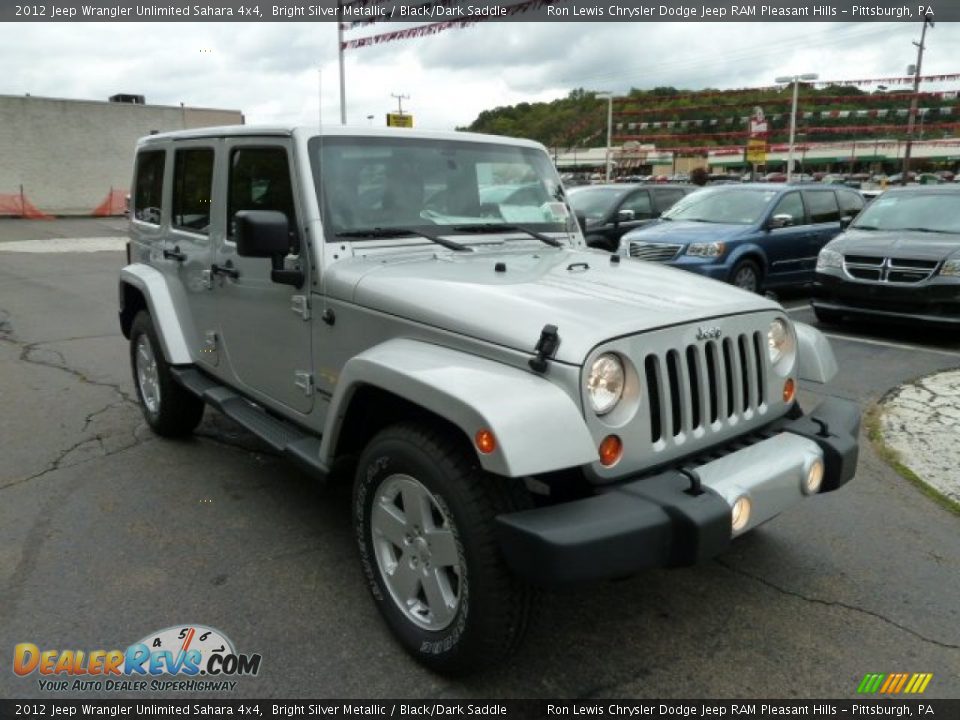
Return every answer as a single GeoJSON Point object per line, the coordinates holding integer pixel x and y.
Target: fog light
{"type": "Point", "coordinates": [814, 477]}
{"type": "Point", "coordinates": [740, 514]}
{"type": "Point", "coordinates": [610, 450]}
{"type": "Point", "coordinates": [486, 442]}
{"type": "Point", "coordinates": [789, 390]}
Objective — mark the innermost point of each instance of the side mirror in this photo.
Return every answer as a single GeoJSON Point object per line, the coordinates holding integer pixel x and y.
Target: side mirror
{"type": "Point", "coordinates": [845, 221]}
{"type": "Point", "coordinates": [261, 233]}
{"type": "Point", "coordinates": [266, 234]}
{"type": "Point", "coordinates": [781, 220]}
{"type": "Point", "coordinates": [625, 216]}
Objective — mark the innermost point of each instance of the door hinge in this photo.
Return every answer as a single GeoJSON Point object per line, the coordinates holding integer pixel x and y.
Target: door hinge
{"type": "Point", "coordinates": [300, 305]}
{"type": "Point", "coordinates": [304, 381]}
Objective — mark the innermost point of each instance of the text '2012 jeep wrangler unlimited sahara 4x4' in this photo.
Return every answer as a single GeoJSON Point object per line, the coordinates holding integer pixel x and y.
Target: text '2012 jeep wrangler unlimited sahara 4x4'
{"type": "Point", "coordinates": [521, 411]}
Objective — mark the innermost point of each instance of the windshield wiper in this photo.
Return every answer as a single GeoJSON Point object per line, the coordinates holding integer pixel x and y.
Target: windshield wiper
{"type": "Point", "coordinates": [392, 232]}
{"type": "Point", "coordinates": [929, 230]}
{"type": "Point", "coordinates": [501, 227]}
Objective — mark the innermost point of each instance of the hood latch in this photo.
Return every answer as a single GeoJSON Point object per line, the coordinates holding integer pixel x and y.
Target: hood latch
{"type": "Point", "coordinates": [546, 346]}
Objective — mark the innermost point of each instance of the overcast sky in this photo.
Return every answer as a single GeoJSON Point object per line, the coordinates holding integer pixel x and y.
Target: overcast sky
{"type": "Point", "coordinates": [271, 71]}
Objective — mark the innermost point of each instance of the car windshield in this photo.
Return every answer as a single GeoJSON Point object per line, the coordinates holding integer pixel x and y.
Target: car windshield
{"type": "Point", "coordinates": [367, 183]}
{"type": "Point", "coordinates": [593, 203]}
{"type": "Point", "coordinates": [740, 206]}
{"type": "Point", "coordinates": [933, 212]}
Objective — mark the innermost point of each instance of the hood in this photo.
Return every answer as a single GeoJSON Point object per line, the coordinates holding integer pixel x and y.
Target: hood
{"type": "Point", "coordinates": [686, 231]}
{"type": "Point", "coordinates": [583, 293]}
{"type": "Point", "coordinates": [897, 243]}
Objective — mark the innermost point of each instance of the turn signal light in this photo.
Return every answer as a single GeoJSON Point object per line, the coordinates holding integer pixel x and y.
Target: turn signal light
{"type": "Point", "coordinates": [486, 442]}
{"type": "Point", "coordinates": [610, 450]}
{"type": "Point", "coordinates": [789, 390]}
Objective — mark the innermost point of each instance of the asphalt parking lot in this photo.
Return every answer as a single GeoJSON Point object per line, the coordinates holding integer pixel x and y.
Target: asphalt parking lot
{"type": "Point", "coordinates": [108, 533]}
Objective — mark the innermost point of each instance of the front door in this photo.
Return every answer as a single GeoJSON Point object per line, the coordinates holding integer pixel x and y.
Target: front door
{"type": "Point", "coordinates": [264, 326]}
{"type": "Point", "coordinates": [787, 246]}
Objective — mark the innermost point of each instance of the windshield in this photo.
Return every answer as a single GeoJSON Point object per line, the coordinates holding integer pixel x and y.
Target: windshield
{"type": "Point", "coordinates": [593, 203]}
{"type": "Point", "coordinates": [366, 183]}
{"type": "Point", "coordinates": [743, 206]}
{"type": "Point", "coordinates": [935, 212]}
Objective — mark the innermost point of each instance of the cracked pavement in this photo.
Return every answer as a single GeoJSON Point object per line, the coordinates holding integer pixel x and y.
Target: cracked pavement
{"type": "Point", "coordinates": [108, 533]}
{"type": "Point", "coordinates": [921, 422]}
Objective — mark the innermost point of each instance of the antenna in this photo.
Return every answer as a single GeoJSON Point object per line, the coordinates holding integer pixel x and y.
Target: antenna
{"type": "Point", "coordinates": [400, 99]}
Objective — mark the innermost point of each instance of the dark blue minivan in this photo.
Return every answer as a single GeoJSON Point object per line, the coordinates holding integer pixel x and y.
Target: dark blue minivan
{"type": "Point", "coordinates": [754, 235]}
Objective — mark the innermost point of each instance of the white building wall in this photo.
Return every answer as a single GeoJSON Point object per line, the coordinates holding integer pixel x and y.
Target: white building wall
{"type": "Point", "coordinates": [69, 154]}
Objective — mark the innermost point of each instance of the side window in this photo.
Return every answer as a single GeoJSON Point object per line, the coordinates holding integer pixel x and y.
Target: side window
{"type": "Point", "coordinates": [260, 180]}
{"type": "Point", "coordinates": [850, 203]}
{"type": "Point", "coordinates": [148, 188]}
{"type": "Point", "coordinates": [823, 206]}
{"type": "Point", "coordinates": [791, 204]}
{"type": "Point", "coordinates": [667, 197]}
{"type": "Point", "coordinates": [640, 204]}
{"type": "Point", "coordinates": [192, 186]}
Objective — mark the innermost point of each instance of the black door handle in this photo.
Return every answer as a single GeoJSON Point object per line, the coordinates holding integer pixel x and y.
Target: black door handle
{"type": "Point", "coordinates": [224, 270]}
{"type": "Point", "coordinates": [174, 254]}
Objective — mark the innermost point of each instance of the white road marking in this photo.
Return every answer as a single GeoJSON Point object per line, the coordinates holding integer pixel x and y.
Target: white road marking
{"type": "Point", "coordinates": [66, 245]}
{"type": "Point", "coordinates": [796, 308]}
{"type": "Point", "coordinates": [897, 346]}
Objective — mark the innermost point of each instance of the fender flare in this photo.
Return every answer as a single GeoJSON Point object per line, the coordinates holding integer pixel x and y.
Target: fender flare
{"type": "Point", "coordinates": [754, 251]}
{"type": "Point", "coordinates": [153, 286]}
{"type": "Point", "coordinates": [538, 427]}
{"type": "Point", "coordinates": [815, 359]}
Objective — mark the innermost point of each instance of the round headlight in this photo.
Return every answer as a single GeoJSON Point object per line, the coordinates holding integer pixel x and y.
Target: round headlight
{"type": "Point", "coordinates": [779, 341]}
{"type": "Point", "coordinates": [605, 383]}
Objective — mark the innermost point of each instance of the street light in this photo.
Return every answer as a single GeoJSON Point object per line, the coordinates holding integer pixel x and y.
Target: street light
{"type": "Point", "coordinates": [795, 79]}
{"type": "Point", "coordinates": [608, 96]}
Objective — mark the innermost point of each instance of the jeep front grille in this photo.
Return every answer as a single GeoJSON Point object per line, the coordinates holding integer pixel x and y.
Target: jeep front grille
{"type": "Point", "coordinates": [695, 388]}
{"type": "Point", "coordinates": [654, 252]}
{"type": "Point", "coordinates": [888, 269]}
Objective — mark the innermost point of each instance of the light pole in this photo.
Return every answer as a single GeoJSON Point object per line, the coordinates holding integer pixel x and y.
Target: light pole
{"type": "Point", "coordinates": [795, 79]}
{"type": "Point", "coordinates": [608, 96]}
{"type": "Point", "coordinates": [911, 119]}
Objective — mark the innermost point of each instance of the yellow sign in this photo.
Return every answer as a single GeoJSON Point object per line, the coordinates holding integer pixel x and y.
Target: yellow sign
{"type": "Point", "coordinates": [398, 120]}
{"type": "Point", "coordinates": [756, 151]}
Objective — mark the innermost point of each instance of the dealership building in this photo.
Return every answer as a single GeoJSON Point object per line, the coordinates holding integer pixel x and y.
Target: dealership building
{"type": "Point", "coordinates": [75, 157]}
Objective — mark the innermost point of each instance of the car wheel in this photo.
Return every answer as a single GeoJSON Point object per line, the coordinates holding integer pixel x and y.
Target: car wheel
{"type": "Point", "coordinates": [827, 317]}
{"type": "Point", "coordinates": [169, 409]}
{"type": "Point", "coordinates": [423, 515]}
{"type": "Point", "coordinates": [746, 275]}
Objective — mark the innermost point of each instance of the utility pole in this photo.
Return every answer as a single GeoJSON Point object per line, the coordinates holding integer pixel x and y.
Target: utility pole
{"type": "Point", "coordinates": [911, 118]}
{"type": "Point", "coordinates": [400, 99]}
{"type": "Point", "coordinates": [343, 79]}
{"type": "Point", "coordinates": [608, 96]}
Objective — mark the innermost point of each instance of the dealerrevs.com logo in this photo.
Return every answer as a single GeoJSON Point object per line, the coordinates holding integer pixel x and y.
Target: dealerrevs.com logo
{"type": "Point", "coordinates": [179, 658]}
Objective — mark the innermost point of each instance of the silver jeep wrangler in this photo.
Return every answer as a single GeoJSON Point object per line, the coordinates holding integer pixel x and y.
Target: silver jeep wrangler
{"type": "Point", "coordinates": [517, 411]}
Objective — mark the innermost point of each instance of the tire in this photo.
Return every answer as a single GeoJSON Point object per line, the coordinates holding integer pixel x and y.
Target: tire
{"type": "Point", "coordinates": [169, 409]}
{"type": "Point", "coordinates": [746, 275]}
{"type": "Point", "coordinates": [827, 317]}
{"type": "Point", "coordinates": [479, 611]}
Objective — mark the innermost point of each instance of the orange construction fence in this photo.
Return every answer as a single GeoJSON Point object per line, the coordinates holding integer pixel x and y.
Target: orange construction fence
{"type": "Point", "coordinates": [114, 204]}
{"type": "Point", "coordinates": [17, 205]}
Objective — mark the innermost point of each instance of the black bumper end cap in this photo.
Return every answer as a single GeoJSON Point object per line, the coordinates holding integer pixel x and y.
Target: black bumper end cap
{"type": "Point", "coordinates": [834, 425]}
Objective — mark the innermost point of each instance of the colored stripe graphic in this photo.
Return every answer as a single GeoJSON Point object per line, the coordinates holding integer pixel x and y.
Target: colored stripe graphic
{"type": "Point", "coordinates": [894, 683]}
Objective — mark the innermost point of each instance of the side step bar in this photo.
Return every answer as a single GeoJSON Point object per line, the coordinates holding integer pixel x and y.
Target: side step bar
{"type": "Point", "coordinates": [286, 438]}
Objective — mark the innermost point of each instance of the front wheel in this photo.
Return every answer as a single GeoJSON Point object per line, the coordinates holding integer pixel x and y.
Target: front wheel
{"type": "Point", "coordinates": [424, 521]}
{"type": "Point", "coordinates": [746, 276]}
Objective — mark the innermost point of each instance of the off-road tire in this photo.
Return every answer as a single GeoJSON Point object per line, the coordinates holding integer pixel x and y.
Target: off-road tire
{"type": "Point", "coordinates": [494, 605]}
{"type": "Point", "coordinates": [179, 412]}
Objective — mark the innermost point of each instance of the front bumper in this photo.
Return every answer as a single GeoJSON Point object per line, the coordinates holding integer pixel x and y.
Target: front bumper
{"type": "Point", "coordinates": [658, 522]}
{"type": "Point", "coordinates": [928, 302]}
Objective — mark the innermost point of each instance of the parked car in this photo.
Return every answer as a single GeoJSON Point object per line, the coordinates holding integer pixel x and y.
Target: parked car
{"type": "Point", "coordinates": [899, 260]}
{"type": "Point", "coordinates": [754, 236]}
{"type": "Point", "coordinates": [515, 410]}
{"type": "Point", "coordinates": [606, 212]}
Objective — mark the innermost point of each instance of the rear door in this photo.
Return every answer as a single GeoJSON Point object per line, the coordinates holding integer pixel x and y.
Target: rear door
{"type": "Point", "coordinates": [786, 247]}
{"type": "Point", "coordinates": [264, 326]}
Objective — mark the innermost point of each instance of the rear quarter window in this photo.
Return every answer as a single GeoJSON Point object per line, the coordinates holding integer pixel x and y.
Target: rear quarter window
{"type": "Point", "coordinates": [148, 186]}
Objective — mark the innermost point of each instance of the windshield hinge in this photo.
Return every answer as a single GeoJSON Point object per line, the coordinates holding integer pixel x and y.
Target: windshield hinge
{"type": "Point", "coordinates": [300, 305]}
{"type": "Point", "coordinates": [546, 346]}
{"type": "Point", "coordinates": [303, 380]}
